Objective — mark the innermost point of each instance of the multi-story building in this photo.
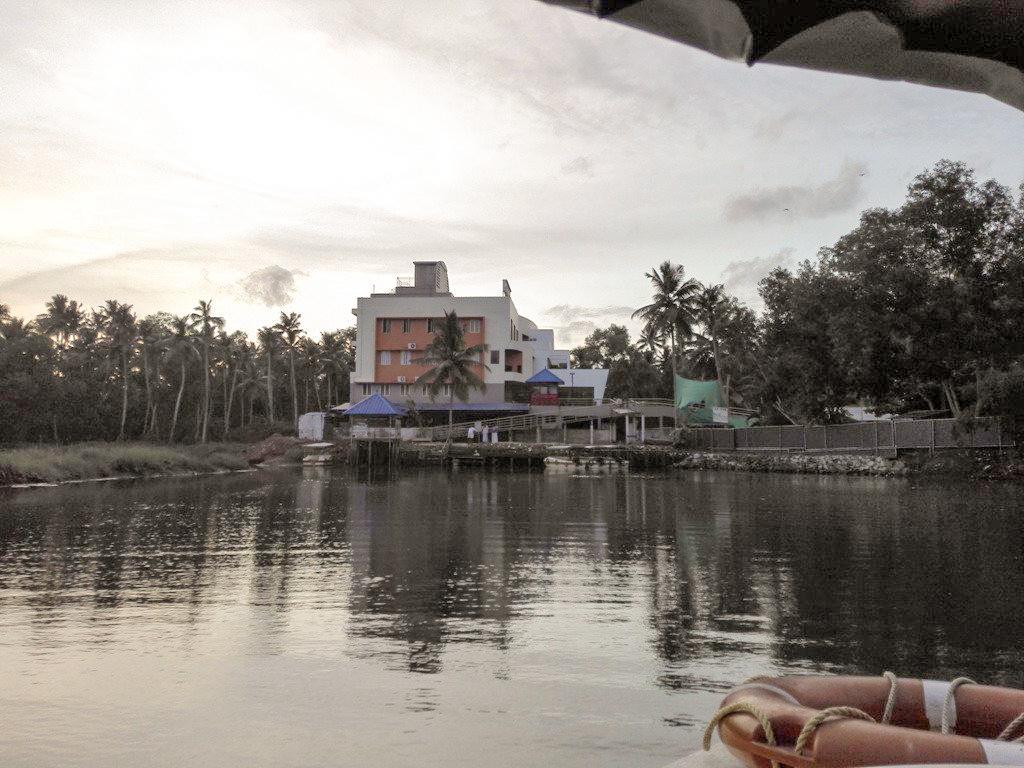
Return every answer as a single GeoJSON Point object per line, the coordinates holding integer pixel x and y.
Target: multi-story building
{"type": "Point", "coordinates": [392, 330]}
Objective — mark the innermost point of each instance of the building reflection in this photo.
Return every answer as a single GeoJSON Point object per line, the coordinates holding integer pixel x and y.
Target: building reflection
{"type": "Point", "coordinates": [733, 575]}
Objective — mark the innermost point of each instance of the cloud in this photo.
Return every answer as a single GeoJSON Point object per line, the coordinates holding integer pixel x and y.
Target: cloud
{"type": "Point", "coordinates": [814, 201]}
{"type": "Point", "coordinates": [566, 313]}
{"type": "Point", "coordinates": [579, 166]}
{"type": "Point", "coordinates": [272, 286]}
{"type": "Point", "coordinates": [741, 277]}
{"type": "Point", "coordinates": [572, 323]}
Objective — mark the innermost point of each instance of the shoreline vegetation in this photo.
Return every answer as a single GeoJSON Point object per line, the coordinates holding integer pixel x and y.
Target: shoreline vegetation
{"type": "Point", "coordinates": [96, 460]}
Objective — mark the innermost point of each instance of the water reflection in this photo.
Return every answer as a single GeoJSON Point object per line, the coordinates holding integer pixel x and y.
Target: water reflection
{"type": "Point", "coordinates": [653, 592]}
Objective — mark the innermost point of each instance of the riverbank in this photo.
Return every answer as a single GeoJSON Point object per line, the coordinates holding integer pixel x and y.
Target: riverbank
{"type": "Point", "coordinates": [88, 461]}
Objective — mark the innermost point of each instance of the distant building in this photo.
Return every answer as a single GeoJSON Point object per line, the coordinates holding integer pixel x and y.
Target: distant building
{"type": "Point", "coordinates": [392, 330]}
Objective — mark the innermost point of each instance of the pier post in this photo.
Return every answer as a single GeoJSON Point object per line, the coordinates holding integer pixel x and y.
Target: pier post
{"type": "Point", "coordinates": [643, 429]}
{"type": "Point", "coordinates": [591, 431]}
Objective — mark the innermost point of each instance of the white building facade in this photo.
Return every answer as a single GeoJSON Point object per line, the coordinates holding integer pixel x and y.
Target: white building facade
{"type": "Point", "coordinates": [393, 328]}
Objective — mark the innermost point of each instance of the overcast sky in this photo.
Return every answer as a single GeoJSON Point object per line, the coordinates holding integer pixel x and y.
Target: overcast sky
{"type": "Point", "coordinates": [294, 155]}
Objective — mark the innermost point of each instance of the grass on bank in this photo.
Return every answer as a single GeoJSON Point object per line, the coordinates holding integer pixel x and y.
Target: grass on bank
{"type": "Point", "coordinates": [94, 460]}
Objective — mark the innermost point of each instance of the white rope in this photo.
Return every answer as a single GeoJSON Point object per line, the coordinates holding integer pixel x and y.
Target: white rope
{"type": "Point", "coordinates": [1011, 729]}
{"type": "Point", "coordinates": [815, 722]}
{"type": "Point", "coordinates": [890, 700]}
{"type": "Point", "coordinates": [949, 705]}
{"type": "Point", "coordinates": [749, 708]}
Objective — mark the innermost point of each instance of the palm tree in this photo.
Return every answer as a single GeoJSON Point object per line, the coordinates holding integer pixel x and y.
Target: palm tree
{"type": "Point", "coordinates": [233, 350]}
{"type": "Point", "coordinates": [710, 309]}
{"type": "Point", "coordinates": [61, 320]}
{"type": "Point", "coordinates": [452, 364]}
{"type": "Point", "coordinates": [332, 360]}
{"type": "Point", "coordinates": [650, 341]}
{"type": "Point", "coordinates": [268, 338]}
{"type": "Point", "coordinates": [672, 304]}
{"type": "Point", "coordinates": [208, 323]}
{"type": "Point", "coordinates": [119, 326]}
{"type": "Point", "coordinates": [152, 331]}
{"type": "Point", "coordinates": [179, 345]}
{"type": "Point", "coordinates": [291, 331]}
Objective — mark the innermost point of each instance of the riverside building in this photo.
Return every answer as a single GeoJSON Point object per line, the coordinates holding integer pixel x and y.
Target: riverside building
{"type": "Point", "coordinates": [393, 329]}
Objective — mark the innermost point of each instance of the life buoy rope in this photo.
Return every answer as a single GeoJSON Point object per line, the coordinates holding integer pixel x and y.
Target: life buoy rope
{"type": "Point", "coordinates": [1009, 731]}
{"type": "Point", "coordinates": [741, 706]}
{"type": "Point", "coordinates": [949, 705]}
{"type": "Point", "coordinates": [936, 707]}
{"type": "Point", "coordinates": [890, 700]}
{"type": "Point", "coordinates": [826, 714]}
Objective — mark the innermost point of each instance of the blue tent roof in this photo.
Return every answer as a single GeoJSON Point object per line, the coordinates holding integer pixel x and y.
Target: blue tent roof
{"type": "Point", "coordinates": [544, 377]}
{"type": "Point", "coordinates": [376, 405]}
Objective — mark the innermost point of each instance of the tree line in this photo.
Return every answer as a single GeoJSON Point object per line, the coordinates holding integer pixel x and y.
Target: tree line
{"type": "Point", "coordinates": [919, 308]}
{"type": "Point", "coordinates": [74, 374]}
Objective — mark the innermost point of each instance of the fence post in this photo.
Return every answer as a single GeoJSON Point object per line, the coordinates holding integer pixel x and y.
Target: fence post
{"type": "Point", "coordinates": [932, 448]}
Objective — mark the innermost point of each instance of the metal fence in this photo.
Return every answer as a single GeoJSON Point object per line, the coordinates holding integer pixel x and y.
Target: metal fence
{"type": "Point", "coordinates": [873, 436]}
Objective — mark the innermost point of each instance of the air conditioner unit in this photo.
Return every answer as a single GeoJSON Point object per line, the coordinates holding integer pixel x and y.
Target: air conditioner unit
{"type": "Point", "coordinates": [411, 345]}
{"type": "Point", "coordinates": [401, 379]}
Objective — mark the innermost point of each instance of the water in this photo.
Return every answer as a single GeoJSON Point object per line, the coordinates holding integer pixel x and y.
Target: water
{"type": "Point", "coordinates": [312, 619]}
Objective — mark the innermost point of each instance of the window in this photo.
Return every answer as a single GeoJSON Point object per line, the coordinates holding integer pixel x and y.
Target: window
{"type": "Point", "coordinates": [495, 356]}
{"type": "Point", "coordinates": [385, 325]}
{"type": "Point", "coordinates": [406, 326]}
{"type": "Point", "coordinates": [406, 357]}
{"type": "Point", "coordinates": [385, 357]}
{"type": "Point", "coordinates": [426, 390]}
{"type": "Point", "coordinates": [473, 326]}
{"type": "Point", "coordinates": [366, 389]}
{"type": "Point", "coordinates": [431, 325]}
{"type": "Point", "coordinates": [385, 389]}
{"type": "Point", "coordinates": [403, 389]}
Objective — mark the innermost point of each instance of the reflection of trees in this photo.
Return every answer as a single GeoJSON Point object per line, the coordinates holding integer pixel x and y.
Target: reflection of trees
{"type": "Point", "coordinates": [851, 574]}
{"type": "Point", "coordinates": [735, 573]}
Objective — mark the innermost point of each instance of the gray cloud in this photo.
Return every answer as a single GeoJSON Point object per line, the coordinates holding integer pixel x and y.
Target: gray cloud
{"type": "Point", "coordinates": [572, 323]}
{"type": "Point", "coordinates": [741, 277]}
{"type": "Point", "coordinates": [567, 313]}
{"type": "Point", "coordinates": [814, 201]}
{"type": "Point", "coordinates": [574, 333]}
{"type": "Point", "coordinates": [579, 166]}
{"type": "Point", "coordinates": [272, 286]}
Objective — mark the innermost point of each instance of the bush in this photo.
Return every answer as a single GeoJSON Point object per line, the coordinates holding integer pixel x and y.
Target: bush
{"type": "Point", "coordinates": [93, 460]}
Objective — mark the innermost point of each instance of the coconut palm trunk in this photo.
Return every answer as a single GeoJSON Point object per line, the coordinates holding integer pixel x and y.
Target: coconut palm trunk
{"type": "Point", "coordinates": [124, 392]}
{"type": "Point", "coordinates": [270, 386]}
{"type": "Point", "coordinates": [177, 403]}
{"type": "Point", "coordinates": [295, 389]}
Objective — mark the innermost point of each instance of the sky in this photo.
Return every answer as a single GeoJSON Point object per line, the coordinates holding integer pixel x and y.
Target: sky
{"type": "Point", "coordinates": [295, 155]}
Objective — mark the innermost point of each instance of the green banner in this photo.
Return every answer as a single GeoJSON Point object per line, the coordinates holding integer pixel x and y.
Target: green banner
{"type": "Point", "coordinates": [696, 400]}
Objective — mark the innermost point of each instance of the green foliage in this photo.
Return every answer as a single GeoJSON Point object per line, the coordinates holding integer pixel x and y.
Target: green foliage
{"type": "Point", "coordinates": [72, 376]}
{"type": "Point", "coordinates": [906, 312]}
{"type": "Point", "coordinates": [95, 460]}
{"type": "Point", "coordinates": [453, 365]}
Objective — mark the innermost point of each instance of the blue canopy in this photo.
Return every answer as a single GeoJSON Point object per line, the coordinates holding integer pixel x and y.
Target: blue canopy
{"type": "Point", "coordinates": [544, 377]}
{"type": "Point", "coordinates": [376, 405]}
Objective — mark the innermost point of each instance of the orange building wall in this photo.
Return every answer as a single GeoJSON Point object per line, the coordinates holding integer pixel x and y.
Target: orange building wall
{"type": "Point", "coordinates": [396, 342]}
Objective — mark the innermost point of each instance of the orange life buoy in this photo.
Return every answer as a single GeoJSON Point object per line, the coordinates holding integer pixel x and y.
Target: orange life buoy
{"type": "Point", "coordinates": [762, 720]}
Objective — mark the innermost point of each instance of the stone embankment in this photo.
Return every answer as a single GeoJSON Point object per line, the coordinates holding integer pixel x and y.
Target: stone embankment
{"type": "Point", "coordinates": [817, 464]}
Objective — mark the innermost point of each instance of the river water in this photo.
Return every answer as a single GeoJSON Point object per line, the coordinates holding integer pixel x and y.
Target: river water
{"type": "Point", "coordinates": [311, 618]}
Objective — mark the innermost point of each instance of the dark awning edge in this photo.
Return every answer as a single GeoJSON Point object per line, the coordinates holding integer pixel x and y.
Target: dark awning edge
{"type": "Point", "coordinates": [967, 46]}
